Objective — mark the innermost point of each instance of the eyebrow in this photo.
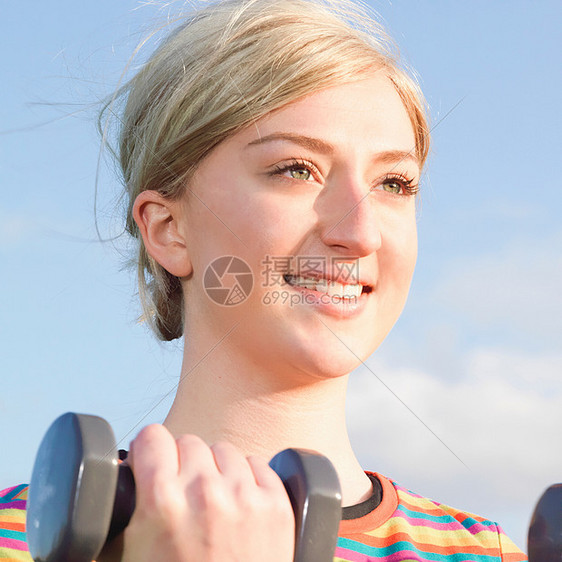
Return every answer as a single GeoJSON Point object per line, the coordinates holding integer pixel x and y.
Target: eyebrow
{"type": "Point", "coordinates": [312, 143]}
{"type": "Point", "coordinates": [323, 147]}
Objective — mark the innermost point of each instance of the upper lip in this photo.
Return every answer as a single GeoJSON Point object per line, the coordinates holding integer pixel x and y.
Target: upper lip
{"type": "Point", "coordinates": [343, 277]}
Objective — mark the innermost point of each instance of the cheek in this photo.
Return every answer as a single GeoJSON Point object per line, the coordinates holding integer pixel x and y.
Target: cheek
{"type": "Point", "coordinates": [399, 252]}
{"type": "Point", "coordinates": [411, 250]}
{"type": "Point", "coordinates": [277, 224]}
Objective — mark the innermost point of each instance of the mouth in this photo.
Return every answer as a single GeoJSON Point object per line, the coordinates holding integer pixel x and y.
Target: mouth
{"type": "Point", "coordinates": [327, 287]}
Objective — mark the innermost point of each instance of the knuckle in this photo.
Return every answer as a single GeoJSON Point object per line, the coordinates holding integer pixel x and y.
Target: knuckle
{"type": "Point", "coordinates": [188, 442]}
{"type": "Point", "coordinates": [170, 512]}
{"type": "Point", "coordinates": [259, 462]}
{"type": "Point", "coordinates": [247, 499]}
{"type": "Point", "coordinates": [227, 455]}
{"type": "Point", "coordinates": [150, 432]}
{"type": "Point", "coordinates": [208, 491]}
{"type": "Point", "coordinates": [281, 508]}
{"type": "Point", "coordinates": [224, 447]}
{"type": "Point", "coordinates": [163, 503]}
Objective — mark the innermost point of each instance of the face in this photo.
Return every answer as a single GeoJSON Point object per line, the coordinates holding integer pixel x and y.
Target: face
{"type": "Point", "coordinates": [318, 199]}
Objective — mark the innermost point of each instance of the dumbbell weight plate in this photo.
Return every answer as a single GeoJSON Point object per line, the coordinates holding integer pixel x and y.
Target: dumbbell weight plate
{"type": "Point", "coordinates": [313, 487]}
{"type": "Point", "coordinates": [545, 531]}
{"type": "Point", "coordinates": [72, 490]}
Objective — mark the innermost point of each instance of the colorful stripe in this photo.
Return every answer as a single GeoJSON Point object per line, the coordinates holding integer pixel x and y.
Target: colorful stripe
{"type": "Point", "coordinates": [406, 527]}
{"type": "Point", "coordinates": [421, 530]}
{"type": "Point", "coordinates": [13, 544]}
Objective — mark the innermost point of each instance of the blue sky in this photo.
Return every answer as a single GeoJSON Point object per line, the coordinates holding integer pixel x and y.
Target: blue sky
{"type": "Point", "coordinates": [476, 353]}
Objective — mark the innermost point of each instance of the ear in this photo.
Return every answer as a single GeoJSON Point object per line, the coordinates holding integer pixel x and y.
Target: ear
{"type": "Point", "coordinates": [158, 219]}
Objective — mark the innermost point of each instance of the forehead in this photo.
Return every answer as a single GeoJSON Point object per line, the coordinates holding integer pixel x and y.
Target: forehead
{"type": "Point", "coordinates": [366, 115]}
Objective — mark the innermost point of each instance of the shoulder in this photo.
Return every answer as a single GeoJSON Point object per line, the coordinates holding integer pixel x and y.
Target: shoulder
{"type": "Point", "coordinates": [13, 544]}
{"type": "Point", "coordinates": [410, 526]}
{"type": "Point", "coordinates": [448, 525]}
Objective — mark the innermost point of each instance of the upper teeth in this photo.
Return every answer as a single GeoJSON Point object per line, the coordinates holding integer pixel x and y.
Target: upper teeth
{"type": "Point", "coordinates": [331, 288]}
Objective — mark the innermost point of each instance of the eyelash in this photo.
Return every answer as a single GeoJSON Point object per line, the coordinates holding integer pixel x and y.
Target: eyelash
{"type": "Point", "coordinates": [408, 187]}
{"type": "Point", "coordinates": [407, 184]}
{"type": "Point", "coordinates": [295, 164]}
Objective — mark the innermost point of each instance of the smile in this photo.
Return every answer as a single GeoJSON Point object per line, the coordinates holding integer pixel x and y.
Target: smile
{"type": "Point", "coordinates": [330, 288]}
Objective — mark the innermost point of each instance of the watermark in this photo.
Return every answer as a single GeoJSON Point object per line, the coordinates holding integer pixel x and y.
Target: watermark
{"type": "Point", "coordinates": [295, 298]}
{"type": "Point", "coordinates": [228, 281]}
{"type": "Point", "coordinates": [275, 268]}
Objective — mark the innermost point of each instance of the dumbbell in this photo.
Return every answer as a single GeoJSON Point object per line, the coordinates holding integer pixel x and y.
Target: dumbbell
{"type": "Point", "coordinates": [544, 543]}
{"type": "Point", "coordinates": [80, 497]}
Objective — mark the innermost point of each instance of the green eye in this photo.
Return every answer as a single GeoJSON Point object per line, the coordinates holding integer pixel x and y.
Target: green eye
{"type": "Point", "coordinates": [392, 186]}
{"type": "Point", "coordinates": [300, 173]}
{"type": "Point", "coordinates": [398, 185]}
{"type": "Point", "coordinates": [296, 169]}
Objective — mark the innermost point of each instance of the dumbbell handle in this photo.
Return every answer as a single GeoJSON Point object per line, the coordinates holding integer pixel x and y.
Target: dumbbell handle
{"type": "Point", "coordinates": [125, 500]}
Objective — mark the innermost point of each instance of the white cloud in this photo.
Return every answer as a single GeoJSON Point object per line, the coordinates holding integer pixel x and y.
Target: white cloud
{"type": "Point", "coordinates": [519, 289]}
{"type": "Point", "coordinates": [14, 229]}
{"type": "Point", "coordinates": [502, 419]}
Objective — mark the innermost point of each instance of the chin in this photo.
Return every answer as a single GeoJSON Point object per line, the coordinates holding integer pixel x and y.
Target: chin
{"type": "Point", "coordinates": [330, 360]}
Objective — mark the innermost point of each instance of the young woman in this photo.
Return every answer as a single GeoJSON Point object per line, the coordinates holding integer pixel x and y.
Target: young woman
{"type": "Point", "coordinates": [277, 144]}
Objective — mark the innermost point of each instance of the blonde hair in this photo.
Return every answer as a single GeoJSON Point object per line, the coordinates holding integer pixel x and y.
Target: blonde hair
{"type": "Point", "coordinates": [222, 68]}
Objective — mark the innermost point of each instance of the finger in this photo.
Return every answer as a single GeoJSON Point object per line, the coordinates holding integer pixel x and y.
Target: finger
{"type": "Point", "coordinates": [153, 459]}
{"type": "Point", "coordinates": [273, 488]}
{"type": "Point", "coordinates": [195, 458]}
{"type": "Point", "coordinates": [231, 463]}
{"type": "Point", "coordinates": [264, 475]}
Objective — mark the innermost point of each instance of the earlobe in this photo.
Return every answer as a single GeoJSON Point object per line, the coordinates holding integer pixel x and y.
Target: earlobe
{"type": "Point", "coordinates": [158, 220]}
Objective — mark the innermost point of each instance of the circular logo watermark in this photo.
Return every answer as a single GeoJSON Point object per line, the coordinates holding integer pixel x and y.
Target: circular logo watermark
{"type": "Point", "coordinates": [228, 281]}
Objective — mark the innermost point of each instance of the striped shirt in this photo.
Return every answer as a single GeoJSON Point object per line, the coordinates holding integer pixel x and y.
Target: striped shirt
{"type": "Point", "coordinates": [405, 527]}
{"type": "Point", "coordinates": [13, 545]}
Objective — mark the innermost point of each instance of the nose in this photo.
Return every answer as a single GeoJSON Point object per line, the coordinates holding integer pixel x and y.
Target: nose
{"type": "Point", "coordinates": [349, 219]}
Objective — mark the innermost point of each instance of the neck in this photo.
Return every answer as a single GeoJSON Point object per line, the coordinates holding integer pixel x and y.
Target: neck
{"type": "Point", "coordinates": [262, 413]}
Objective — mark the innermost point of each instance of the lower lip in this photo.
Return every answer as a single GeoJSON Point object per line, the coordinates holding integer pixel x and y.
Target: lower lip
{"type": "Point", "coordinates": [334, 306]}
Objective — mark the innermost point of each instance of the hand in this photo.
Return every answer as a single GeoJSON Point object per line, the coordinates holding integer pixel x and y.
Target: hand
{"type": "Point", "coordinates": [203, 504]}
